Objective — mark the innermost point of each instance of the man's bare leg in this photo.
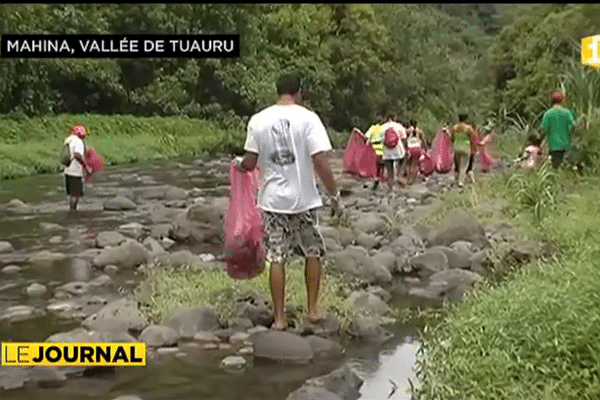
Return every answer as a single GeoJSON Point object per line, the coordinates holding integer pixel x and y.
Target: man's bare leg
{"type": "Point", "coordinates": [277, 282]}
{"type": "Point", "coordinates": [73, 202]}
{"type": "Point", "coordinates": [312, 276]}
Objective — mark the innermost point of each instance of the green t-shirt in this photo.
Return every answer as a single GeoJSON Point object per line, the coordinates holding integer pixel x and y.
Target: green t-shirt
{"type": "Point", "coordinates": [558, 123]}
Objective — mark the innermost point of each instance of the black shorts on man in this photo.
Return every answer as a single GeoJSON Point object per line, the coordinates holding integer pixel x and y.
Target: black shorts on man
{"type": "Point", "coordinates": [74, 185]}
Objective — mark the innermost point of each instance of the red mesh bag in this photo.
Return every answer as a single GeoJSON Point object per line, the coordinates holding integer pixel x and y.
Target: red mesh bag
{"type": "Point", "coordinates": [244, 248]}
{"type": "Point", "coordinates": [352, 152]}
{"type": "Point", "coordinates": [94, 161]}
{"type": "Point", "coordinates": [442, 153]}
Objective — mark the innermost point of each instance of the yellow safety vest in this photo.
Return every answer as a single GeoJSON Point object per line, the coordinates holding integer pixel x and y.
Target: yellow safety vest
{"type": "Point", "coordinates": [376, 139]}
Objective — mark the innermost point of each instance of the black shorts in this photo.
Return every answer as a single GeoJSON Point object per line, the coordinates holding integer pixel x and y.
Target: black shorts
{"type": "Point", "coordinates": [558, 156]}
{"type": "Point", "coordinates": [74, 185]}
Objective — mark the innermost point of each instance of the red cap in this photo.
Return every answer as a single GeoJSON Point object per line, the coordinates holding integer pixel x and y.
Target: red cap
{"type": "Point", "coordinates": [80, 131]}
{"type": "Point", "coordinates": [558, 97]}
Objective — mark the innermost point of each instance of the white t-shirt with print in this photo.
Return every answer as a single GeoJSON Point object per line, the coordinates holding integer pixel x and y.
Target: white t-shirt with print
{"type": "Point", "coordinates": [397, 152]}
{"type": "Point", "coordinates": [75, 146]}
{"type": "Point", "coordinates": [285, 138]}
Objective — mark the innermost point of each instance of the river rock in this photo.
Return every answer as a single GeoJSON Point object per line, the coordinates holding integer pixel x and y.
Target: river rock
{"type": "Point", "coordinates": [47, 377]}
{"type": "Point", "coordinates": [241, 324]}
{"type": "Point", "coordinates": [463, 247]}
{"type": "Point", "coordinates": [201, 223]}
{"type": "Point", "coordinates": [367, 241]}
{"type": "Point", "coordinates": [450, 284]}
{"type": "Point", "coordinates": [380, 292]}
{"type": "Point", "coordinates": [238, 338]}
{"type": "Point", "coordinates": [385, 259]}
{"type": "Point", "coordinates": [367, 302]}
{"type": "Point", "coordinates": [179, 259]}
{"type": "Point", "coordinates": [255, 308]}
{"type": "Point", "coordinates": [206, 337]}
{"type": "Point", "coordinates": [119, 203]}
{"type": "Point", "coordinates": [46, 258]}
{"type": "Point", "coordinates": [343, 382]}
{"type": "Point", "coordinates": [18, 205]}
{"type": "Point", "coordinates": [312, 393]}
{"type": "Point", "coordinates": [153, 247]}
{"type": "Point", "coordinates": [429, 263]}
{"type": "Point", "coordinates": [120, 315]}
{"type": "Point", "coordinates": [233, 362]}
{"type": "Point", "coordinates": [133, 230]}
{"type": "Point", "coordinates": [36, 290]}
{"type": "Point", "coordinates": [419, 192]}
{"type": "Point", "coordinates": [346, 236]}
{"type": "Point", "coordinates": [6, 247]}
{"type": "Point", "coordinates": [158, 336]}
{"type": "Point", "coordinates": [74, 288]}
{"type": "Point", "coordinates": [324, 347]}
{"type": "Point", "coordinates": [13, 378]}
{"type": "Point", "coordinates": [369, 330]}
{"type": "Point", "coordinates": [11, 270]}
{"type": "Point", "coordinates": [109, 239]}
{"type": "Point", "coordinates": [370, 223]}
{"type": "Point", "coordinates": [456, 259]}
{"type": "Point", "coordinates": [329, 326]}
{"type": "Point", "coordinates": [356, 262]}
{"type": "Point", "coordinates": [100, 281]}
{"type": "Point", "coordinates": [174, 194]}
{"type": "Point", "coordinates": [49, 227]}
{"type": "Point", "coordinates": [132, 397]}
{"type": "Point", "coordinates": [188, 322]}
{"type": "Point", "coordinates": [457, 225]}
{"type": "Point", "coordinates": [282, 346]}
{"type": "Point", "coordinates": [128, 255]}
{"type": "Point", "coordinates": [19, 314]}
{"type": "Point", "coordinates": [160, 231]}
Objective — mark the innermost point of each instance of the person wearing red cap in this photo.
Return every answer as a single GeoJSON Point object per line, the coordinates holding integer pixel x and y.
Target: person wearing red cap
{"type": "Point", "coordinates": [75, 171]}
{"type": "Point", "coordinates": [558, 123]}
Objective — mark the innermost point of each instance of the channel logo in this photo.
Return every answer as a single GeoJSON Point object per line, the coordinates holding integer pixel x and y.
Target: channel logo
{"type": "Point", "coordinates": [73, 354]}
{"type": "Point", "coordinates": [590, 51]}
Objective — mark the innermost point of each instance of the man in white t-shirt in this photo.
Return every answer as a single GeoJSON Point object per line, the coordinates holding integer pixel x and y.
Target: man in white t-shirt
{"type": "Point", "coordinates": [393, 158]}
{"type": "Point", "coordinates": [289, 143]}
{"type": "Point", "coordinates": [75, 171]}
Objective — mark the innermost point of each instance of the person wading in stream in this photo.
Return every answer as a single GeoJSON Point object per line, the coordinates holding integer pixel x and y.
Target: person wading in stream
{"type": "Point", "coordinates": [75, 170]}
{"type": "Point", "coordinates": [289, 143]}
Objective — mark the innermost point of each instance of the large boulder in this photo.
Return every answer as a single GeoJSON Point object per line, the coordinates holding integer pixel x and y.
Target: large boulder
{"type": "Point", "coordinates": [120, 315]}
{"type": "Point", "coordinates": [282, 346]}
{"type": "Point", "coordinates": [119, 203]}
{"type": "Point", "coordinates": [324, 347]}
{"type": "Point", "coordinates": [128, 255]}
{"type": "Point", "coordinates": [187, 322]}
{"type": "Point", "coordinates": [458, 225]}
{"type": "Point", "coordinates": [369, 330]}
{"type": "Point", "coordinates": [6, 247]}
{"type": "Point", "coordinates": [200, 223]}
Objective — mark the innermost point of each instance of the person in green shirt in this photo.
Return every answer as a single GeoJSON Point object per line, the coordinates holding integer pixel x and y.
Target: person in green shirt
{"type": "Point", "coordinates": [558, 123]}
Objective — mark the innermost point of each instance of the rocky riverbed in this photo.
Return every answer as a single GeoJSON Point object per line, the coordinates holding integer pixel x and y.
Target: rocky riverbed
{"type": "Point", "coordinates": [70, 277]}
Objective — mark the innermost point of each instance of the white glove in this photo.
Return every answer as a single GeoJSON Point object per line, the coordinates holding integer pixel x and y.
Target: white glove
{"type": "Point", "coordinates": [237, 163]}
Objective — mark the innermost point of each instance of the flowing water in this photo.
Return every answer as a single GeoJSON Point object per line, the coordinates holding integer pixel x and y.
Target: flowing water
{"type": "Point", "coordinates": [195, 376]}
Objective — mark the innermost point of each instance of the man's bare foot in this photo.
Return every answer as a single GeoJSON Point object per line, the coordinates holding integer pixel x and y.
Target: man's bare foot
{"type": "Point", "coordinates": [279, 326]}
{"type": "Point", "coordinates": [316, 318]}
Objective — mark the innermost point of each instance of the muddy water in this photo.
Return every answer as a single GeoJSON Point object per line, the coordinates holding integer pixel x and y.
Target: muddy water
{"type": "Point", "coordinates": [197, 374]}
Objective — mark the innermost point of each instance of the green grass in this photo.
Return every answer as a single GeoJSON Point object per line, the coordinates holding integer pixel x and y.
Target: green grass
{"type": "Point", "coordinates": [167, 289]}
{"type": "Point", "coordinates": [31, 145]}
{"type": "Point", "coordinates": [536, 334]}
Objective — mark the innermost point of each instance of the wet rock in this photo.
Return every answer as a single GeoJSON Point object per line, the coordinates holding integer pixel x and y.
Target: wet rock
{"type": "Point", "coordinates": [329, 326]}
{"type": "Point", "coordinates": [11, 270]}
{"type": "Point", "coordinates": [74, 288]}
{"type": "Point", "coordinates": [312, 393]}
{"type": "Point", "coordinates": [6, 247]}
{"type": "Point", "coordinates": [367, 241]}
{"type": "Point", "coordinates": [17, 205]}
{"type": "Point", "coordinates": [109, 239]}
{"type": "Point", "coordinates": [456, 259]}
{"type": "Point", "coordinates": [324, 347]}
{"type": "Point", "coordinates": [128, 255]}
{"type": "Point", "coordinates": [241, 324]}
{"type": "Point", "coordinates": [255, 308]}
{"type": "Point", "coordinates": [188, 322]}
{"type": "Point", "coordinates": [205, 337]}
{"type": "Point", "coordinates": [257, 329]}
{"type": "Point", "coordinates": [89, 254]}
{"type": "Point", "coordinates": [458, 225]}
{"type": "Point", "coordinates": [235, 362]}
{"type": "Point", "coordinates": [36, 290]}
{"type": "Point", "coordinates": [367, 302]}
{"type": "Point", "coordinates": [370, 223]}
{"type": "Point", "coordinates": [120, 315]}
{"type": "Point", "coordinates": [19, 314]}
{"type": "Point", "coordinates": [224, 346]}
{"type": "Point", "coordinates": [343, 382]}
{"type": "Point", "coordinates": [429, 263]}
{"type": "Point", "coordinates": [119, 203]}
{"type": "Point", "coordinates": [160, 231]}
{"type": "Point", "coordinates": [450, 284]}
{"type": "Point", "coordinates": [179, 259]}
{"type": "Point", "coordinates": [153, 247]}
{"type": "Point", "coordinates": [133, 230]}
{"type": "Point", "coordinates": [49, 227]}
{"type": "Point", "coordinates": [100, 281]}
{"type": "Point", "coordinates": [111, 269]}
{"type": "Point", "coordinates": [282, 346]}
{"type": "Point", "coordinates": [246, 351]}
{"type": "Point", "coordinates": [369, 330]}
{"type": "Point", "coordinates": [47, 377]}
{"type": "Point", "coordinates": [167, 243]}
{"type": "Point", "coordinates": [55, 240]}
{"type": "Point", "coordinates": [157, 336]}
{"type": "Point", "coordinates": [379, 292]}
{"type": "Point", "coordinates": [174, 194]}
{"type": "Point", "coordinates": [200, 223]}
{"type": "Point", "coordinates": [13, 378]}
{"type": "Point", "coordinates": [356, 262]}
{"type": "Point", "coordinates": [206, 258]}
{"type": "Point", "coordinates": [46, 258]}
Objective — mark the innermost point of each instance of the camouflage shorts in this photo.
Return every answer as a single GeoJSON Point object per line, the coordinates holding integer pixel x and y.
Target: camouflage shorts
{"type": "Point", "coordinates": [288, 234]}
